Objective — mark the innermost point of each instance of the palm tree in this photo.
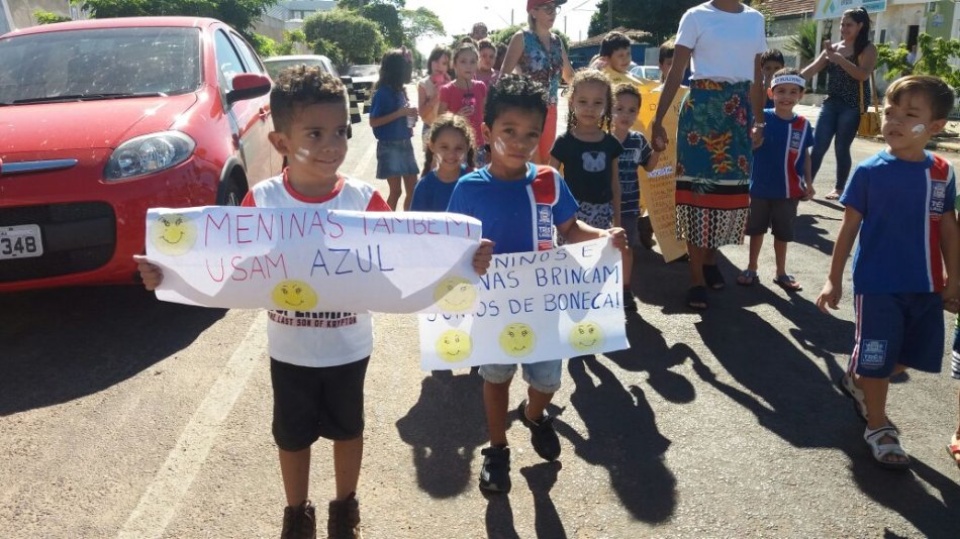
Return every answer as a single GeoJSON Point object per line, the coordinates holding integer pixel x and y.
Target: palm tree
{"type": "Point", "coordinates": [804, 42]}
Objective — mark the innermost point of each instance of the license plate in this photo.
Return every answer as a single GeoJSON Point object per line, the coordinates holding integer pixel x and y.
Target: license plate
{"type": "Point", "coordinates": [21, 241]}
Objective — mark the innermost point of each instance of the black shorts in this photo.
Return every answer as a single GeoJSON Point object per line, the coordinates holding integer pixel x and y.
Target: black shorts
{"type": "Point", "coordinates": [777, 214]}
{"type": "Point", "coordinates": [310, 403]}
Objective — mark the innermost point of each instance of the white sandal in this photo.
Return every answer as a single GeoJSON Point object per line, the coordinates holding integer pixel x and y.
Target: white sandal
{"type": "Point", "coordinates": [851, 390]}
{"type": "Point", "coordinates": [882, 451]}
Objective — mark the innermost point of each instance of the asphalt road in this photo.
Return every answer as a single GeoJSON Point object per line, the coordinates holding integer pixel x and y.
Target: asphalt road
{"type": "Point", "coordinates": [121, 416]}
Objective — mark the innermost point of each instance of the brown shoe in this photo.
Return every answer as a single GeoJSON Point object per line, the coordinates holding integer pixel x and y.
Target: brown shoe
{"type": "Point", "coordinates": [300, 522]}
{"type": "Point", "coordinates": [343, 520]}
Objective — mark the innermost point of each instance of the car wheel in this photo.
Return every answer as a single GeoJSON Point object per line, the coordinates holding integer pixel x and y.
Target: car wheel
{"type": "Point", "coordinates": [231, 192]}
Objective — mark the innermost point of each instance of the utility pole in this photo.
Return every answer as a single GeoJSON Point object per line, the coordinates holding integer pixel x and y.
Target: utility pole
{"type": "Point", "coordinates": [609, 15]}
{"type": "Point", "coordinates": [511, 17]}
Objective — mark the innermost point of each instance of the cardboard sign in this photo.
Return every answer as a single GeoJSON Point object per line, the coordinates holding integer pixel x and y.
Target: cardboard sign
{"type": "Point", "coordinates": [658, 188]}
{"type": "Point", "coordinates": [532, 307]}
{"type": "Point", "coordinates": [315, 260]}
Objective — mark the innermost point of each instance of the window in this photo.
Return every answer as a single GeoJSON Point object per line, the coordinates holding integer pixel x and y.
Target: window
{"type": "Point", "coordinates": [250, 59]}
{"type": "Point", "coordinates": [228, 63]}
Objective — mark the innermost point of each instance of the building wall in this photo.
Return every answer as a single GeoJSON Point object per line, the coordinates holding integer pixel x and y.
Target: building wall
{"type": "Point", "coordinates": [940, 22]}
{"type": "Point", "coordinates": [22, 10]}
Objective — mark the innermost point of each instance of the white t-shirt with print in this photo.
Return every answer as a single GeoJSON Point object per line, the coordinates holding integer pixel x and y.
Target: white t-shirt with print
{"type": "Point", "coordinates": [318, 339]}
{"type": "Point", "coordinates": [725, 45]}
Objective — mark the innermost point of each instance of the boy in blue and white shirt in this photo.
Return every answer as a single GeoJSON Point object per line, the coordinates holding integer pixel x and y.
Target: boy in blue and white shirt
{"type": "Point", "coordinates": [899, 205]}
{"type": "Point", "coordinates": [779, 180]}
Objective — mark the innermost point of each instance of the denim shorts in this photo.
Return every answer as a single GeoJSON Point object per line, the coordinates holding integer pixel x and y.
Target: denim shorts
{"type": "Point", "coordinates": [543, 376]}
{"type": "Point", "coordinates": [395, 158]}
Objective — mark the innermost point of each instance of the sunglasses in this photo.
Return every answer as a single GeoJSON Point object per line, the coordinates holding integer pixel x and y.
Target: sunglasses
{"type": "Point", "coordinates": [549, 9]}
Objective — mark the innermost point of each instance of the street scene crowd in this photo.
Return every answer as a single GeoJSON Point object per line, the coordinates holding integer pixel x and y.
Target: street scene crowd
{"type": "Point", "coordinates": [742, 161]}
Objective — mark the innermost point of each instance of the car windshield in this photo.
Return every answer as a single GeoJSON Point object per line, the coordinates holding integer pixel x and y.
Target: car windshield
{"type": "Point", "coordinates": [274, 67]}
{"type": "Point", "coordinates": [101, 62]}
{"type": "Point", "coordinates": [364, 71]}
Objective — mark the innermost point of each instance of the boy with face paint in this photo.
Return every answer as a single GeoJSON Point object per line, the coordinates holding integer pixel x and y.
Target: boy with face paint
{"type": "Point", "coordinates": [900, 205]}
{"type": "Point", "coordinates": [780, 177]}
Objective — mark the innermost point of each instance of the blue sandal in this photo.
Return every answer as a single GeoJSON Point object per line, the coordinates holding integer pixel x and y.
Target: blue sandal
{"type": "Point", "coordinates": [747, 278]}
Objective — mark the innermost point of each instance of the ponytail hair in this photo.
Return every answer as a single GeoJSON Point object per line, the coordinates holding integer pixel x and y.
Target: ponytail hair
{"type": "Point", "coordinates": [859, 15]}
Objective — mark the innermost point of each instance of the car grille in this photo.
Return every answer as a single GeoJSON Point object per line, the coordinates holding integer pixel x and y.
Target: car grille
{"type": "Point", "coordinates": [76, 237]}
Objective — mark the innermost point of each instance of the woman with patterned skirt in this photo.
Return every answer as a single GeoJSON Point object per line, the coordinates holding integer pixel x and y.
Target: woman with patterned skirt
{"type": "Point", "coordinates": [722, 40]}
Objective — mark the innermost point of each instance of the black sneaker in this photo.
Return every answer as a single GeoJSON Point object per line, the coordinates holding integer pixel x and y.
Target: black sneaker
{"type": "Point", "coordinates": [299, 522]}
{"type": "Point", "coordinates": [542, 436]}
{"type": "Point", "coordinates": [629, 300]}
{"type": "Point", "coordinates": [343, 519]}
{"type": "Point", "coordinates": [495, 472]}
{"type": "Point", "coordinates": [645, 230]}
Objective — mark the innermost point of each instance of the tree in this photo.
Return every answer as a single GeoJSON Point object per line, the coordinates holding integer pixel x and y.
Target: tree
{"type": "Point", "coordinates": [421, 22]}
{"type": "Point", "coordinates": [240, 14]}
{"type": "Point", "coordinates": [359, 40]}
{"type": "Point", "coordinates": [804, 43]}
{"type": "Point", "coordinates": [265, 46]}
{"type": "Point", "coordinates": [934, 57]}
{"type": "Point", "coordinates": [49, 17]}
{"type": "Point", "coordinates": [357, 4]}
{"type": "Point", "coordinates": [659, 17]}
{"type": "Point", "coordinates": [387, 18]}
{"type": "Point", "coordinates": [503, 36]}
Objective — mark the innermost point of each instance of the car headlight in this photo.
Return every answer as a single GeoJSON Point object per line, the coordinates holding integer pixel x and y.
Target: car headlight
{"type": "Point", "coordinates": [149, 154]}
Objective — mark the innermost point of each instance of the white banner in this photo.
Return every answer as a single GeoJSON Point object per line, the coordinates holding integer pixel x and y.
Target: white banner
{"type": "Point", "coordinates": [315, 260]}
{"type": "Point", "coordinates": [833, 9]}
{"type": "Point", "coordinates": [534, 307]}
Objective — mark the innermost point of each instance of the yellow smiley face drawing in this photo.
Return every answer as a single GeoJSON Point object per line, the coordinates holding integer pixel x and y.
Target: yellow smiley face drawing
{"type": "Point", "coordinates": [586, 336]}
{"type": "Point", "coordinates": [295, 295]}
{"type": "Point", "coordinates": [517, 339]}
{"type": "Point", "coordinates": [455, 294]}
{"type": "Point", "coordinates": [173, 234]}
{"type": "Point", "coordinates": [454, 345]}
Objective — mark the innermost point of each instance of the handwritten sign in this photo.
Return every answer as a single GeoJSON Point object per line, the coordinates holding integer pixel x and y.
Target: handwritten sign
{"type": "Point", "coordinates": [658, 188]}
{"type": "Point", "coordinates": [534, 307]}
{"type": "Point", "coordinates": [315, 260]}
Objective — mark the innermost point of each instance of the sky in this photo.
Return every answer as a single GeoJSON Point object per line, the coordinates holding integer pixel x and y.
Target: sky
{"type": "Point", "coordinates": [458, 16]}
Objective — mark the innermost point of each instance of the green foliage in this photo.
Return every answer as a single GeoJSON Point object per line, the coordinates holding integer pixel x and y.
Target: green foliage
{"type": "Point", "coordinates": [659, 17]}
{"type": "Point", "coordinates": [48, 17]}
{"type": "Point", "coordinates": [934, 59]}
{"type": "Point", "coordinates": [420, 22]}
{"type": "Point", "coordinates": [388, 20]}
{"type": "Point", "coordinates": [804, 43]}
{"type": "Point", "coordinates": [358, 39]}
{"type": "Point", "coordinates": [240, 14]}
{"type": "Point", "coordinates": [357, 4]}
{"type": "Point", "coordinates": [504, 35]}
{"type": "Point", "coordinates": [264, 45]}
{"type": "Point", "coordinates": [330, 49]}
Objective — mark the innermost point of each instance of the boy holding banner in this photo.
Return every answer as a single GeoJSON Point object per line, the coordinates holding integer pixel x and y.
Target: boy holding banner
{"type": "Point", "coordinates": [317, 371]}
{"type": "Point", "coordinates": [519, 204]}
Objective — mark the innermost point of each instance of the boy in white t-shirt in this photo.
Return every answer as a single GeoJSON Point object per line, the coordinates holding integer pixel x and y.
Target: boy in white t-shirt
{"type": "Point", "coordinates": [317, 370]}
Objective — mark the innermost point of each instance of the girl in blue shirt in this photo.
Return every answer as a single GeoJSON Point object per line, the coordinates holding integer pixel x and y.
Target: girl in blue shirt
{"type": "Point", "coordinates": [392, 119]}
{"type": "Point", "coordinates": [450, 152]}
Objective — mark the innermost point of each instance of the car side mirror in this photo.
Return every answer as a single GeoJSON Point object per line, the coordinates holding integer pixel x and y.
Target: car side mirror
{"type": "Point", "coordinates": [248, 86]}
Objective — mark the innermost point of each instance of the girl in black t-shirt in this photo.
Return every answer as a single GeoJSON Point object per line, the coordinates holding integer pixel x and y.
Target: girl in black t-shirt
{"type": "Point", "coordinates": [587, 156]}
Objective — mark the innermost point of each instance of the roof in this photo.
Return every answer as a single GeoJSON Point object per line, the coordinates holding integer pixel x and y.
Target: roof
{"type": "Point", "coordinates": [787, 8]}
{"type": "Point", "coordinates": [638, 36]}
{"type": "Point", "coordinates": [309, 5]}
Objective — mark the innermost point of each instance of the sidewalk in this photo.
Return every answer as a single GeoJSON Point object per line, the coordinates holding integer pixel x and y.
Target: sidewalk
{"type": "Point", "coordinates": [946, 144]}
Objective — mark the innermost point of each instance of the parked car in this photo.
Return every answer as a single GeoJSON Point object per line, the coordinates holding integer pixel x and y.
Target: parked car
{"type": "Point", "coordinates": [364, 77]}
{"type": "Point", "coordinates": [102, 119]}
{"type": "Point", "coordinates": [276, 64]}
{"type": "Point", "coordinates": [646, 72]}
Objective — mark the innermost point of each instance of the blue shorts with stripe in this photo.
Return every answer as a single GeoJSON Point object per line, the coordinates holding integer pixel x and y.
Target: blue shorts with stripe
{"type": "Point", "coordinates": [905, 329]}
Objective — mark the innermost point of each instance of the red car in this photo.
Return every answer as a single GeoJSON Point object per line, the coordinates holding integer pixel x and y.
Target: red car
{"type": "Point", "coordinates": [102, 119]}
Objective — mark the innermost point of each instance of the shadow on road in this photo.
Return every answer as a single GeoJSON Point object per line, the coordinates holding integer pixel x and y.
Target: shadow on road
{"type": "Point", "coordinates": [541, 478]}
{"type": "Point", "coordinates": [499, 518]}
{"type": "Point", "coordinates": [59, 345]}
{"type": "Point", "coordinates": [444, 428]}
{"type": "Point", "coordinates": [632, 455]}
{"type": "Point", "coordinates": [809, 232]}
{"type": "Point", "coordinates": [793, 398]}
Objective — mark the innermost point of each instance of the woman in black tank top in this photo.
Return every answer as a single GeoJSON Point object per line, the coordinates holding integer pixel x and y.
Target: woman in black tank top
{"type": "Point", "coordinates": [848, 64]}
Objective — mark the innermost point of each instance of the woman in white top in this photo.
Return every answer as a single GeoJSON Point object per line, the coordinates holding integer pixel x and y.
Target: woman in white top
{"type": "Point", "coordinates": [716, 132]}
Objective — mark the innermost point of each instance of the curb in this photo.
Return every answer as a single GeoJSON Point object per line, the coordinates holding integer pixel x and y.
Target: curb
{"type": "Point", "coordinates": [933, 145]}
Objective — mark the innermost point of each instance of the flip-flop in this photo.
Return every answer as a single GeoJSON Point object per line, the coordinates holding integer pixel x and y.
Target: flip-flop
{"type": "Point", "coordinates": [953, 449]}
{"type": "Point", "coordinates": [833, 195]}
{"type": "Point", "coordinates": [747, 278]}
{"type": "Point", "coordinates": [697, 298]}
{"type": "Point", "coordinates": [713, 277]}
{"type": "Point", "coordinates": [788, 283]}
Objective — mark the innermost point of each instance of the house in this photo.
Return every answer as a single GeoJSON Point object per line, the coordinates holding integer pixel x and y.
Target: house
{"type": "Point", "coordinates": [19, 13]}
{"type": "Point", "coordinates": [289, 15]}
{"type": "Point", "coordinates": [787, 16]}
